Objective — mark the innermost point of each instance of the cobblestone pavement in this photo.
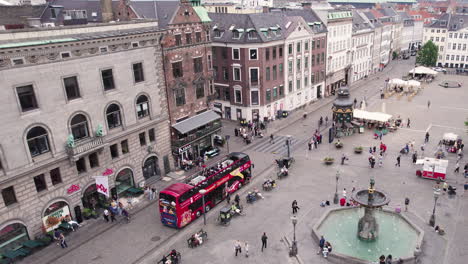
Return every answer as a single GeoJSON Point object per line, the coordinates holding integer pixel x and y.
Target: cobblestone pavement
{"type": "Point", "coordinates": [145, 240]}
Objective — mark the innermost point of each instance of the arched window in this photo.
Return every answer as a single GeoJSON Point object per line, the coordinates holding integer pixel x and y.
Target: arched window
{"type": "Point", "coordinates": [142, 106]}
{"type": "Point", "coordinates": [79, 127]}
{"type": "Point", "coordinates": [113, 116]}
{"type": "Point", "coordinates": [38, 141]}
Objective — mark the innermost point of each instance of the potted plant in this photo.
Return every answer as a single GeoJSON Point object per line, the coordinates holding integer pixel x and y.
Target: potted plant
{"type": "Point", "coordinates": [338, 144]}
{"type": "Point", "coordinates": [358, 150]}
{"type": "Point", "coordinates": [328, 160]}
{"type": "Point", "coordinates": [94, 214]}
{"type": "Point", "coordinates": [87, 213]}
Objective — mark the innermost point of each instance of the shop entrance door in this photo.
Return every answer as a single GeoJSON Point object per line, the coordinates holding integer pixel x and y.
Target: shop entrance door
{"type": "Point", "coordinates": [319, 91]}
{"type": "Point", "coordinates": [151, 168]}
{"type": "Point", "coordinates": [227, 112]}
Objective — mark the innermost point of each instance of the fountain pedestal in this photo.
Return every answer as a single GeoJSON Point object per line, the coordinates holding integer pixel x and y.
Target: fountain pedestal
{"type": "Point", "coordinates": [367, 226]}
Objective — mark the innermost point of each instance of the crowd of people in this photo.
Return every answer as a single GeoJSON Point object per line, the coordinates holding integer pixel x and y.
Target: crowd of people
{"type": "Point", "coordinates": [250, 131]}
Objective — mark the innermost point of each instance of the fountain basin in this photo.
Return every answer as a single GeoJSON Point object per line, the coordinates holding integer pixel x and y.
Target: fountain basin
{"type": "Point", "coordinates": [398, 236]}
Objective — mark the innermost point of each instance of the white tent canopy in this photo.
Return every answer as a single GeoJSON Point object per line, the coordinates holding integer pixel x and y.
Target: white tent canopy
{"type": "Point", "coordinates": [413, 83]}
{"type": "Point", "coordinates": [423, 70]}
{"type": "Point", "coordinates": [450, 136]}
{"type": "Point", "coordinates": [396, 81]}
{"type": "Point", "coordinates": [375, 116]}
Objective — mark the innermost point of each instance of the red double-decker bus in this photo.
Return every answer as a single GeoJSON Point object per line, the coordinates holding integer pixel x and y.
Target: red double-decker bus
{"type": "Point", "coordinates": [181, 203]}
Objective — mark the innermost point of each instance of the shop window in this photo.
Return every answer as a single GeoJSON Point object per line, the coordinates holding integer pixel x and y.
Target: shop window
{"type": "Point", "coordinates": [113, 116]}
{"type": "Point", "coordinates": [26, 97]}
{"type": "Point", "coordinates": [124, 180]}
{"type": "Point", "coordinates": [79, 127]}
{"type": "Point", "coordinates": [138, 75]}
{"type": "Point", "coordinates": [40, 183]}
{"type": "Point", "coordinates": [142, 138]}
{"type": "Point", "coordinates": [114, 150]}
{"type": "Point", "coordinates": [93, 160]}
{"type": "Point", "coordinates": [124, 146]}
{"type": "Point", "coordinates": [142, 106]}
{"type": "Point", "coordinates": [55, 176]}
{"type": "Point", "coordinates": [151, 135]}
{"type": "Point", "coordinates": [12, 237]}
{"type": "Point", "coordinates": [9, 196]}
{"type": "Point", "coordinates": [72, 89]}
{"type": "Point", "coordinates": [38, 141]}
{"type": "Point", "coordinates": [107, 79]}
{"type": "Point", "coordinates": [81, 165]}
{"type": "Point", "coordinates": [200, 90]}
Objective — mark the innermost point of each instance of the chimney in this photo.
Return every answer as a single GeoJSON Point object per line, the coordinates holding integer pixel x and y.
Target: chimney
{"type": "Point", "coordinates": [265, 9]}
{"type": "Point", "coordinates": [307, 5]}
{"type": "Point", "coordinates": [106, 11]}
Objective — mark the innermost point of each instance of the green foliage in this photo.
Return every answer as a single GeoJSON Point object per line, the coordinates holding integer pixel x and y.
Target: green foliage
{"type": "Point", "coordinates": [87, 212]}
{"type": "Point", "coordinates": [427, 56]}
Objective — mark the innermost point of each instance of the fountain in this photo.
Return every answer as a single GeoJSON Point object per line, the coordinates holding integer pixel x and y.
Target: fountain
{"type": "Point", "coordinates": [363, 233]}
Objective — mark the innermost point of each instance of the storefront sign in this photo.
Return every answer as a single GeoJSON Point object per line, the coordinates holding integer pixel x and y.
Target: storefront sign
{"type": "Point", "coordinates": [74, 188]}
{"type": "Point", "coordinates": [54, 219]}
{"type": "Point", "coordinates": [184, 148]}
{"type": "Point", "coordinates": [102, 185]}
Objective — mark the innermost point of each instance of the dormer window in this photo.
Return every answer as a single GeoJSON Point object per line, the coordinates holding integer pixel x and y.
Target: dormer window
{"type": "Point", "coordinates": [218, 33]}
{"type": "Point", "coordinates": [237, 33]}
{"type": "Point", "coordinates": [252, 34]}
{"type": "Point", "coordinates": [186, 12]}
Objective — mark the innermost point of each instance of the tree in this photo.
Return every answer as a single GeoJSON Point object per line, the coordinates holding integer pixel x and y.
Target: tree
{"type": "Point", "coordinates": [427, 56]}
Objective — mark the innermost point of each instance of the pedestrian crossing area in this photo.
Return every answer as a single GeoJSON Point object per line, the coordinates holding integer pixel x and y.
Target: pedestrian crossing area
{"type": "Point", "coordinates": [278, 146]}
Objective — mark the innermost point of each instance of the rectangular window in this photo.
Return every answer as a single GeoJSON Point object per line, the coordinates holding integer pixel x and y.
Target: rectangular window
{"type": "Point", "coordinates": [179, 96]}
{"type": "Point", "coordinates": [281, 68]}
{"type": "Point", "coordinates": [298, 84]}
{"type": "Point", "coordinates": [281, 90]}
{"type": "Point", "coordinates": [268, 95]}
{"type": "Point", "coordinates": [274, 52]}
{"type": "Point", "coordinates": [298, 64]}
{"type": "Point", "coordinates": [177, 69]}
{"type": "Point", "coordinates": [200, 90]}
{"type": "Point", "coordinates": [225, 74]}
{"type": "Point", "coordinates": [55, 176]}
{"type": "Point", "coordinates": [238, 96]}
{"type": "Point", "coordinates": [151, 135]}
{"type": "Point", "coordinates": [254, 97]}
{"type": "Point", "coordinates": [253, 54]}
{"type": "Point", "coordinates": [124, 146]}
{"type": "Point", "coordinates": [312, 78]}
{"type": "Point", "coordinates": [237, 74]}
{"type": "Point", "coordinates": [207, 35]}
{"type": "Point", "coordinates": [81, 165]}
{"type": "Point", "coordinates": [298, 47]}
{"type": "Point", "coordinates": [71, 87]}
{"type": "Point", "coordinates": [142, 138]}
{"type": "Point", "coordinates": [107, 79]}
{"type": "Point", "coordinates": [306, 63]}
{"type": "Point", "coordinates": [306, 45]}
{"type": "Point", "coordinates": [40, 183]}
{"type": "Point", "coordinates": [290, 86]}
{"type": "Point", "coordinates": [26, 97]}
{"type": "Point", "coordinates": [275, 74]}
{"type": "Point", "coordinates": [114, 151]}
{"type": "Point", "coordinates": [198, 37]}
{"type": "Point", "coordinates": [9, 196]}
{"type": "Point", "coordinates": [290, 49]}
{"type": "Point", "coordinates": [455, 35]}
{"type": "Point", "coordinates": [198, 65]}
{"type": "Point", "coordinates": [138, 74]}
{"type": "Point", "coordinates": [306, 82]}
{"type": "Point", "coordinates": [236, 54]}
{"type": "Point", "coordinates": [267, 53]}
{"type": "Point", "coordinates": [227, 94]}
{"type": "Point", "coordinates": [267, 73]}
{"type": "Point", "coordinates": [224, 53]}
{"type": "Point", "coordinates": [290, 66]}
{"type": "Point", "coordinates": [275, 92]}
{"type": "Point", "coordinates": [313, 44]}
{"type": "Point", "coordinates": [93, 160]}
{"type": "Point", "coordinates": [188, 38]}
{"type": "Point", "coordinates": [280, 51]}
{"type": "Point", "coordinates": [254, 76]}
{"type": "Point", "coordinates": [210, 64]}
{"type": "Point", "coordinates": [313, 61]}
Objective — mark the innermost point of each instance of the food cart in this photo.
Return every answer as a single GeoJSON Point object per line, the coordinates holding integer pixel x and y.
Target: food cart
{"type": "Point", "coordinates": [432, 168]}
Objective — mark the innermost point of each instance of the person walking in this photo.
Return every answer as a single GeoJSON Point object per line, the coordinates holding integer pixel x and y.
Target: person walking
{"type": "Point", "coordinates": [344, 193]}
{"type": "Point", "coordinates": [426, 138]}
{"type": "Point", "coordinates": [326, 121]}
{"type": "Point", "coordinates": [406, 204]}
{"type": "Point", "coordinates": [310, 144]}
{"type": "Point", "coordinates": [294, 207]}
{"type": "Point", "coordinates": [398, 159]}
{"type": "Point", "coordinates": [321, 244]}
{"type": "Point", "coordinates": [457, 167]}
{"type": "Point", "coordinates": [343, 158]}
{"type": "Point", "coordinates": [237, 200]}
{"type": "Point", "coordinates": [106, 215]}
{"type": "Point", "coordinates": [246, 248]}
{"type": "Point", "coordinates": [408, 123]}
{"type": "Point", "coordinates": [264, 241]}
{"type": "Point", "coordinates": [428, 104]}
{"type": "Point", "coordinates": [237, 247]}
{"type": "Point", "coordinates": [415, 157]}
{"type": "Point", "coordinates": [112, 216]}
{"type": "Point", "coordinates": [272, 140]}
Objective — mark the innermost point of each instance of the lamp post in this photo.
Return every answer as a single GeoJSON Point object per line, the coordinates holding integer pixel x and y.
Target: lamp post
{"type": "Point", "coordinates": [335, 198]}
{"type": "Point", "coordinates": [436, 196]}
{"type": "Point", "coordinates": [293, 251]}
{"type": "Point", "coordinates": [202, 192]}
{"type": "Point", "coordinates": [288, 143]}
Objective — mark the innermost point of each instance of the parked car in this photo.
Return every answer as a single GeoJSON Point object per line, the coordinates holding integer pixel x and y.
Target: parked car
{"type": "Point", "coordinates": [439, 69]}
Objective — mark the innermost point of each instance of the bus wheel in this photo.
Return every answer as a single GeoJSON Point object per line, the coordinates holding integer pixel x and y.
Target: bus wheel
{"type": "Point", "coordinates": [198, 213]}
{"type": "Point", "coordinates": [239, 186]}
{"type": "Point", "coordinates": [207, 208]}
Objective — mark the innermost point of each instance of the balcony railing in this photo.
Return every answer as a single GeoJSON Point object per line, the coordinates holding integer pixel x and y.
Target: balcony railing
{"type": "Point", "coordinates": [86, 146]}
{"type": "Point", "coordinates": [196, 135]}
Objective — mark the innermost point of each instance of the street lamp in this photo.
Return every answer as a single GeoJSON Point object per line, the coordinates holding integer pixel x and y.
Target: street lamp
{"type": "Point", "coordinates": [436, 196]}
{"type": "Point", "coordinates": [202, 192]}
{"type": "Point", "coordinates": [293, 251]}
{"type": "Point", "coordinates": [288, 143]}
{"type": "Point", "coordinates": [335, 198]}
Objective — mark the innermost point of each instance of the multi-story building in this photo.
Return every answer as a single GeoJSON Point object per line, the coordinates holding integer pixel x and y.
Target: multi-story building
{"type": "Point", "coordinates": [78, 102]}
{"type": "Point", "coordinates": [412, 32]}
{"type": "Point", "coordinates": [362, 47]}
{"type": "Point", "coordinates": [377, 29]}
{"type": "Point", "coordinates": [340, 27]}
{"type": "Point", "coordinates": [450, 34]}
{"type": "Point", "coordinates": [188, 74]}
{"type": "Point", "coordinates": [382, 39]}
